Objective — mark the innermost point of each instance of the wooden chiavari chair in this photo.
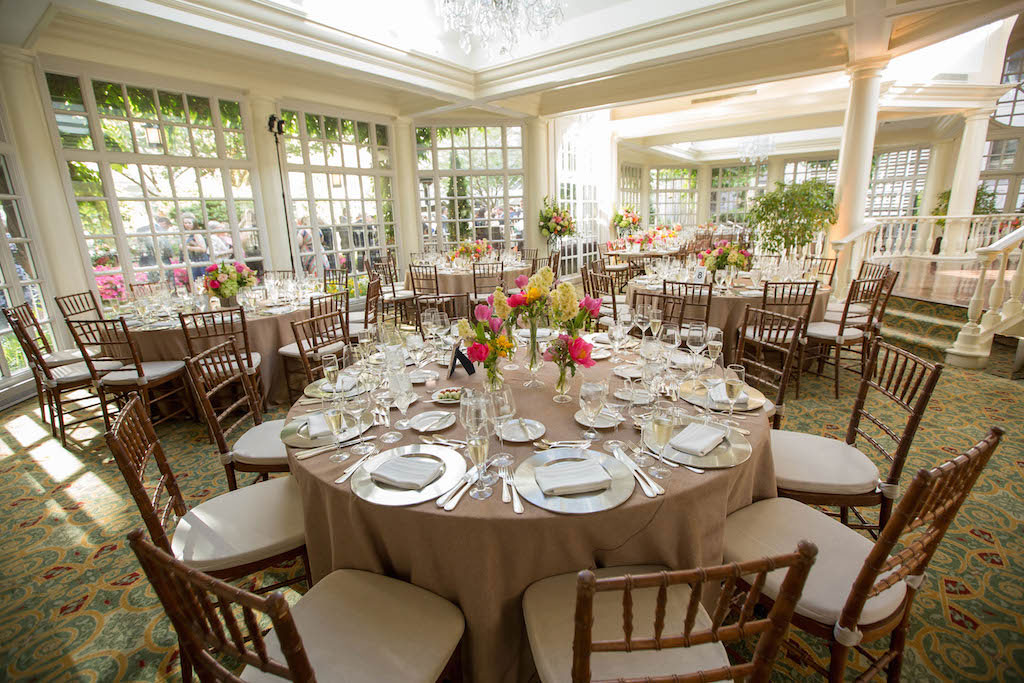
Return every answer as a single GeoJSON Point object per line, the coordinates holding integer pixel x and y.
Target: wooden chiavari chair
{"type": "Point", "coordinates": [648, 623]}
{"type": "Point", "coordinates": [283, 273]}
{"type": "Point", "coordinates": [369, 317]}
{"type": "Point", "coordinates": [395, 297]}
{"type": "Point", "coordinates": [34, 329]}
{"type": "Point", "coordinates": [827, 472]}
{"type": "Point", "coordinates": [697, 300]}
{"type": "Point", "coordinates": [767, 352]}
{"type": "Point", "coordinates": [870, 271]}
{"type": "Point", "coordinates": [555, 261]}
{"type": "Point", "coordinates": [672, 307]}
{"type": "Point", "coordinates": [352, 624]}
{"type": "Point", "coordinates": [158, 382]}
{"type": "Point", "coordinates": [54, 382]}
{"type": "Point", "coordinates": [850, 332]}
{"type": "Point", "coordinates": [209, 328]}
{"type": "Point", "coordinates": [529, 255]}
{"type": "Point", "coordinates": [424, 280]}
{"type": "Point", "coordinates": [638, 264]}
{"type": "Point", "coordinates": [335, 280]}
{"type": "Point", "coordinates": [317, 336]}
{"type": "Point", "coordinates": [486, 277]}
{"type": "Point", "coordinates": [820, 267]}
{"type": "Point", "coordinates": [455, 306]}
{"type": "Point", "coordinates": [796, 299]}
{"type": "Point", "coordinates": [859, 591]}
{"type": "Point", "coordinates": [228, 401]}
{"type": "Point", "coordinates": [602, 286]}
{"type": "Point", "coordinates": [228, 536]}
{"type": "Point", "coordinates": [318, 305]}
{"type": "Point", "coordinates": [79, 304]}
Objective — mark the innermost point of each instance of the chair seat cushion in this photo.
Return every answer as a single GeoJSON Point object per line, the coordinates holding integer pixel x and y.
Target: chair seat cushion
{"type": "Point", "coordinates": [398, 295]}
{"type": "Point", "coordinates": [292, 350]}
{"type": "Point", "coordinates": [77, 372]}
{"type": "Point", "coordinates": [817, 464]}
{"type": "Point", "coordinates": [616, 266]}
{"type": "Point", "coordinates": [830, 332]}
{"type": "Point", "coordinates": [605, 320]}
{"type": "Point", "coordinates": [68, 356]}
{"type": "Point", "coordinates": [549, 608]}
{"type": "Point", "coordinates": [751, 333]}
{"type": "Point", "coordinates": [241, 526]}
{"type": "Point", "coordinates": [620, 299]}
{"type": "Point", "coordinates": [775, 525]}
{"type": "Point", "coordinates": [837, 307]}
{"type": "Point", "coordinates": [255, 359]}
{"type": "Point", "coordinates": [261, 445]}
{"type": "Point", "coordinates": [152, 371]}
{"type": "Point", "coordinates": [360, 627]}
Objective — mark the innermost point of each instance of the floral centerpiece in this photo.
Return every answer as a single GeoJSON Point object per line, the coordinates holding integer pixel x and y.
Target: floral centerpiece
{"type": "Point", "coordinates": [486, 340]}
{"type": "Point", "coordinates": [626, 219]}
{"type": "Point", "coordinates": [473, 251]}
{"type": "Point", "coordinates": [529, 304]}
{"type": "Point", "coordinates": [570, 349]}
{"type": "Point", "coordinates": [555, 221]}
{"type": "Point", "coordinates": [724, 254]}
{"type": "Point", "coordinates": [225, 279]}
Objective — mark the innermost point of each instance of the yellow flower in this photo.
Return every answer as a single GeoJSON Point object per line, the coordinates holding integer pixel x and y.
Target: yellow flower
{"type": "Point", "coordinates": [533, 293]}
{"type": "Point", "coordinates": [501, 307]}
{"type": "Point", "coordinates": [503, 345]}
{"type": "Point", "coordinates": [466, 330]}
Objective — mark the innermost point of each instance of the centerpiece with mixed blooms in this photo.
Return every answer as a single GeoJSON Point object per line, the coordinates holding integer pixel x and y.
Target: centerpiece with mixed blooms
{"type": "Point", "coordinates": [225, 279]}
{"type": "Point", "coordinates": [626, 219]}
{"type": "Point", "coordinates": [555, 221]}
{"type": "Point", "coordinates": [570, 349]}
{"type": "Point", "coordinates": [723, 255]}
{"type": "Point", "coordinates": [473, 251]}
{"type": "Point", "coordinates": [487, 340]}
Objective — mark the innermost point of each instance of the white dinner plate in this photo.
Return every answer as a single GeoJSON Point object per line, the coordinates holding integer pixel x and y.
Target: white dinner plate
{"type": "Point", "coordinates": [600, 354]}
{"type": "Point", "coordinates": [432, 421]}
{"type": "Point", "coordinates": [422, 376]}
{"type": "Point", "coordinates": [640, 397]}
{"type": "Point", "coordinates": [628, 371]}
{"type": "Point", "coordinates": [446, 401]}
{"type": "Point", "coordinates": [512, 430]}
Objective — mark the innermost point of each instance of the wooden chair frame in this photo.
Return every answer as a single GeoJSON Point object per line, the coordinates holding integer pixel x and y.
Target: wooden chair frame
{"type": "Point", "coordinates": [219, 380]}
{"type": "Point", "coordinates": [819, 266]}
{"type": "Point", "coordinates": [918, 525]}
{"type": "Point", "coordinates": [870, 271]}
{"type": "Point", "coordinates": [778, 296]}
{"type": "Point", "coordinates": [77, 304]}
{"type": "Point", "coordinates": [601, 285]}
{"type": "Point", "coordinates": [142, 289]}
{"type": "Point", "coordinates": [863, 292]}
{"type": "Point", "coordinates": [767, 333]}
{"type": "Point", "coordinates": [555, 260]}
{"type": "Point", "coordinates": [424, 281]}
{"type": "Point", "coordinates": [336, 280]}
{"type": "Point", "coordinates": [280, 272]}
{"type": "Point", "coordinates": [908, 382]}
{"type": "Point", "coordinates": [314, 334]}
{"type": "Point", "coordinates": [33, 330]}
{"type": "Point", "coordinates": [672, 307]}
{"type": "Point", "coordinates": [209, 328]}
{"type": "Point", "coordinates": [770, 629]}
{"type": "Point", "coordinates": [695, 295]}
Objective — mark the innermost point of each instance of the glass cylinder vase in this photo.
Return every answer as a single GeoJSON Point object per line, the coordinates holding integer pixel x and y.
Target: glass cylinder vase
{"type": "Point", "coordinates": [562, 385]}
{"type": "Point", "coordinates": [534, 359]}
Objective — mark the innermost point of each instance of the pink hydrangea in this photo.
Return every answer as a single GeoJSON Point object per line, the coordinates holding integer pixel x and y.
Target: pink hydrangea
{"type": "Point", "coordinates": [478, 352]}
{"type": "Point", "coordinates": [239, 268]}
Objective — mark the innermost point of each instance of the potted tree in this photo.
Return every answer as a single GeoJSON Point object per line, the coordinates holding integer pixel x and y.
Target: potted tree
{"type": "Point", "coordinates": [790, 216]}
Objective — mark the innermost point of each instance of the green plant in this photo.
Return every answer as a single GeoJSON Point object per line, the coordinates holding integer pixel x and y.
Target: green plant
{"type": "Point", "coordinates": [790, 216]}
{"type": "Point", "coordinates": [984, 202]}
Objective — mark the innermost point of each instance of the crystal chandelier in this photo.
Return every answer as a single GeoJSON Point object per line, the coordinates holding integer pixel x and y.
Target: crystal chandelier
{"type": "Point", "coordinates": [754, 150]}
{"type": "Point", "coordinates": [497, 24]}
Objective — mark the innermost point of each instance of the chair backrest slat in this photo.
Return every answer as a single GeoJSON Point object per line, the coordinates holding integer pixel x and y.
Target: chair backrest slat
{"type": "Point", "coordinates": [767, 350]}
{"type": "Point", "coordinates": [487, 276]}
{"type": "Point", "coordinates": [424, 280]}
{"type": "Point", "coordinates": [209, 328]}
{"type": "Point", "coordinates": [316, 334]}
{"type": "Point", "coordinates": [218, 372]}
{"type": "Point", "coordinates": [106, 340]}
{"type": "Point", "coordinates": [32, 327]}
{"type": "Point", "coordinates": [78, 304]}
{"type": "Point", "coordinates": [696, 299]}
{"type": "Point", "coordinates": [336, 280]}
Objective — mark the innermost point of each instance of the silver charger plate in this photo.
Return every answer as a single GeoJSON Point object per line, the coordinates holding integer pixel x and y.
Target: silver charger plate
{"type": "Point", "coordinates": [734, 450]}
{"type": "Point", "coordinates": [316, 390]}
{"type": "Point", "coordinates": [698, 397]}
{"type": "Point", "coordinates": [616, 494]}
{"type": "Point", "coordinates": [432, 421]}
{"type": "Point", "coordinates": [295, 433]}
{"type": "Point", "coordinates": [453, 468]}
{"type": "Point", "coordinates": [512, 431]}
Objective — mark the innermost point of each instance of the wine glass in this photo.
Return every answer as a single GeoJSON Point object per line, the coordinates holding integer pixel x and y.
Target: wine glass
{"type": "Point", "coordinates": [642, 319]}
{"type": "Point", "coordinates": [592, 399]}
{"type": "Point", "coordinates": [655, 316]}
{"type": "Point", "coordinates": [477, 419]}
{"type": "Point", "coordinates": [709, 379]}
{"type": "Point", "coordinates": [714, 343]}
{"type": "Point", "coordinates": [696, 340]}
{"type": "Point", "coordinates": [663, 422]}
{"type": "Point", "coordinates": [334, 415]}
{"type": "Point", "coordinates": [504, 409]}
{"type": "Point", "coordinates": [640, 413]}
{"type": "Point", "coordinates": [616, 335]}
{"type": "Point", "coordinates": [735, 381]}
{"type": "Point", "coordinates": [358, 408]}
{"type": "Point", "coordinates": [403, 395]}
{"type": "Point", "coordinates": [383, 399]}
{"type": "Point", "coordinates": [671, 336]}
{"type": "Point", "coordinates": [331, 369]}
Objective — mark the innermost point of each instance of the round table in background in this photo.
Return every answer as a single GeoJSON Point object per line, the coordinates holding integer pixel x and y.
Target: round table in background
{"type": "Point", "coordinates": [460, 280]}
{"type": "Point", "coordinates": [267, 334]}
{"type": "Point", "coordinates": [727, 309]}
{"type": "Point", "coordinates": [482, 556]}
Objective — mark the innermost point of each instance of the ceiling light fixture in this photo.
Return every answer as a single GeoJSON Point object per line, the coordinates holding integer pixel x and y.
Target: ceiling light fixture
{"type": "Point", "coordinates": [754, 150]}
{"type": "Point", "coordinates": [497, 24]}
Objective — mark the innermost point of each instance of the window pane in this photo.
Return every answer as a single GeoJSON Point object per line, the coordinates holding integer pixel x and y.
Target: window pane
{"type": "Point", "coordinates": [10, 221]}
{"type": "Point", "coordinates": [171, 107]}
{"type": "Point", "coordinates": [109, 98]}
{"type": "Point", "coordinates": [230, 114]}
{"type": "Point", "coordinates": [95, 218]}
{"type": "Point", "coordinates": [65, 92]}
{"type": "Point", "coordinates": [6, 186]}
{"type": "Point", "coordinates": [85, 179]}
{"type": "Point", "coordinates": [199, 110]}
{"type": "Point", "coordinates": [148, 138]}
{"type": "Point", "coordinates": [74, 131]}
{"type": "Point", "coordinates": [142, 102]}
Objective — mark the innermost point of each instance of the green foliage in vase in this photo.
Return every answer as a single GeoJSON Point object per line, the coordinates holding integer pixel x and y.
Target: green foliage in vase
{"type": "Point", "coordinates": [790, 216]}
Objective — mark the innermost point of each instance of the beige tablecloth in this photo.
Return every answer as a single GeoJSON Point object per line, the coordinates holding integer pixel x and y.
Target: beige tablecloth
{"type": "Point", "coordinates": [461, 281]}
{"type": "Point", "coordinates": [482, 556]}
{"type": "Point", "coordinates": [727, 310]}
{"type": "Point", "coordinates": [266, 335]}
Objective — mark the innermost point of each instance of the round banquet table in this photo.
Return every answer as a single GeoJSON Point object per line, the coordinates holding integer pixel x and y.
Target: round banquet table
{"type": "Point", "coordinates": [267, 334]}
{"type": "Point", "coordinates": [727, 310]}
{"type": "Point", "coordinates": [482, 556]}
{"type": "Point", "coordinates": [627, 254]}
{"type": "Point", "coordinates": [460, 280]}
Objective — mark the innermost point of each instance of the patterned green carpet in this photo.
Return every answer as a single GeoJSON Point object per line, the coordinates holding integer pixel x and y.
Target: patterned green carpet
{"type": "Point", "coordinates": [75, 607]}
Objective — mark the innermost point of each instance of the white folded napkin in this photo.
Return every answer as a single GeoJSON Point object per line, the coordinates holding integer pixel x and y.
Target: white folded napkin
{"type": "Point", "coordinates": [407, 473]}
{"type": "Point", "coordinates": [697, 439]}
{"type": "Point", "coordinates": [343, 385]}
{"type": "Point", "coordinates": [572, 476]}
{"type": "Point", "coordinates": [718, 395]}
{"type": "Point", "coordinates": [316, 426]}
{"type": "Point", "coordinates": [601, 338]}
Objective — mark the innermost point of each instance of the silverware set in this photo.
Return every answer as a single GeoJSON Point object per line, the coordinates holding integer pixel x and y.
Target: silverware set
{"type": "Point", "coordinates": [508, 489]}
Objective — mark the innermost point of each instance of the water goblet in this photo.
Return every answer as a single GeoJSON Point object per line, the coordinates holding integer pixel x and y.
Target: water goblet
{"type": "Point", "coordinates": [359, 409]}
{"type": "Point", "coordinates": [593, 396]}
{"type": "Point", "coordinates": [504, 409]}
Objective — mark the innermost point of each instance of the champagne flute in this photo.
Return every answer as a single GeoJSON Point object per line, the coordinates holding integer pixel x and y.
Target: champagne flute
{"type": "Point", "coordinates": [616, 335]}
{"type": "Point", "coordinates": [663, 422]}
{"type": "Point", "coordinates": [358, 407]}
{"type": "Point", "coordinates": [696, 340]}
{"type": "Point", "coordinates": [714, 344]}
{"type": "Point", "coordinates": [504, 409]}
{"type": "Point", "coordinates": [593, 396]}
{"type": "Point", "coordinates": [334, 414]}
{"type": "Point", "coordinates": [477, 419]}
{"type": "Point", "coordinates": [640, 413]}
{"type": "Point", "coordinates": [330, 362]}
{"type": "Point", "coordinates": [709, 379]}
{"type": "Point", "coordinates": [642, 319]}
{"type": "Point", "coordinates": [655, 316]}
{"type": "Point", "coordinates": [735, 381]}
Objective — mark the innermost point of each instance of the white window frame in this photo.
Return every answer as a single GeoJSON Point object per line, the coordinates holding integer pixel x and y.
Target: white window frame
{"type": "Point", "coordinates": [631, 180]}
{"type": "Point", "coordinates": [86, 73]}
{"type": "Point", "coordinates": [308, 169]}
{"type": "Point", "coordinates": [513, 231]}
{"type": "Point", "coordinates": [903, 179]}
{"type": "Point", "coordinates": [1010, 107]}
{"type": "Point", "coordinates": [674, 205]}
{"type": "Point", "coordinates": [802, 170]}
{"type": "Point", "coordinates": [743, 195]}
{"type": "Point", "coordinates": [578, 191]}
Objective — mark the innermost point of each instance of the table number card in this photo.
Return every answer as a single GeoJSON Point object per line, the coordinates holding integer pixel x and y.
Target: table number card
{"type": "Point", "coordinates": [700, 275]}
{"type": "Point", "coordinates": [459, 357]}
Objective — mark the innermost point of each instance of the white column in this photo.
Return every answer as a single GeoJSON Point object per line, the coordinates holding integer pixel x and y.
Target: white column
{"type": "Point", "coordinates": [776, 166]}
{"type": "Point", "coordinates": [271, 189]}
{"type": "Point", "coordinates": [57, 234]}
{"type": "Point", "coordinates": [965, 179]}
{"type": "Point", "coordinates": [855, 151]}
{"type": "Point", "coordinates": [538, 179]}
{"type": "Point", "coordinates": [703, 194]}
{"type": "Point", "coordinates": [644, 209]}
{"type": "Point", "coordinates": [408, 228]}
{"type": "Point", "coordinates": [938, 165]}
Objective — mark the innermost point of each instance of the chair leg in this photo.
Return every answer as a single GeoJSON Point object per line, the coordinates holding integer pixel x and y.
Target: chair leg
{"type": "Point", "coordinates": [185, 663]}
{"type": "Point", "coordinates": [230, 472]}
{"type": "Point", "coordinates": [305, 565]}
{"type": "Point", "coordinates": [839, 357]}
{"type": "Point", "coordinates": [838, 655]}
{"type": "Point", "coordinates": [60, 418]}
{"type": "Point", "coordinates": [103, 406]}
{"type": "Point", "coordinates": [897, 643]}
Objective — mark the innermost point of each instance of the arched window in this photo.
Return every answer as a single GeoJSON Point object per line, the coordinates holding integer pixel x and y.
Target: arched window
{"type": "Point", "coordinates": [1010, 108]}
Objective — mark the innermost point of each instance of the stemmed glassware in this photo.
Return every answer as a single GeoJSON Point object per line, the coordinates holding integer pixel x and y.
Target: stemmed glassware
{"type": "Point", "coordinates": [331, 370]}
{"type": "Point", "coordinates": [696, 340]}
{"type": "Point", "coordinates": [672, 337]}
{"type": "Point", "coordinates": [642, 319]}
{"type": "Point", "coordinates": [358, 408]}
{"type": "Point", "coordinates": [477, 418]}
{"type": "Point", "coordinates": [593, 396]}
{"type": "Point", "coordinates": [735, 381]}
{"type": "Point", "coordinates": [709, 379]}
{"type": "Point", "coordinates": [654, 315]}
{"type": "Point", "coordinates": [640, 413]}
{"type": "Point", "coordinates": [504, 407]}
{"type": "Point", "coordinates": [403, 395]}
{"type": "Point", "coordinates": [663, 421]}
{"type": "Point", "coordinates": [617, 332]}
{"type": "Point", "coordinates": [334, 415]}
{"type": "Point", "coordinates": [714, 344]}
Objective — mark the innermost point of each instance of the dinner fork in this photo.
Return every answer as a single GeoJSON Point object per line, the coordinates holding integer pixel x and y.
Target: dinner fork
{"type": "Point", "coordinates": [506, 477]}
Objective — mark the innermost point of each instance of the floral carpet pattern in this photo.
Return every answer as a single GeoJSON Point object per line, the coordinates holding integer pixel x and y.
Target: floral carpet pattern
{"type": "Point", "coordinates": [74, 605]}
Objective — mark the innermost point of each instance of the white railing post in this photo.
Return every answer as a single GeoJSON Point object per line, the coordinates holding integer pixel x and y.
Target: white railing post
{"type": "Point", "coordinates": [995, 297]}
{"type": "Point", "coordinates": [1013, 305]}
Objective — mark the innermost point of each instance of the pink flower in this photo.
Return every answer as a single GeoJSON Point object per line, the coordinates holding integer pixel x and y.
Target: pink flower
{"type": "Point", "coordinates": [490, 299]}
{"type": "Point", "coordinates": [718, 252]}
{"type": "Point", "coordinates": [482, 312]}
{"type": "Point", "coordinates": [214, 284]}
{"type": "Point", "coordinates": [557, 219]}
{"type": "Point", "coordinates": [745, 253]}
{"type": "Point", "coordinates": [516, 300]}
{"type": "Point", "coordinates": [592, 305]}
{"type": "Point", "coordinates": [478, 352]}
{"type": "Point", "coordinates": [521, 281]}
{"type": "Point", "coordinates": [212, 268]}
{"type": "Point", "coordinates": [495, 324]}
{"type": "Point", "coordinates": [548, 355]}
{"type": "Point", "coordinates": [223, 277]}
{"type": "Point", "coordinates": [580, 352]}
{"type": "Point", "coordinates": [239, 268]}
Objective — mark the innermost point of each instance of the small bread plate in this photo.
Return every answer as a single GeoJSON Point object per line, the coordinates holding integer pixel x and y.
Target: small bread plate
{"type": "Point", "coordinates": [432, 421]}
{"type": "Point", "coordinates": [450, 396]}
{"type": "Point", "coordinates": [697, 395]}
{"type": "Point", "coordinates": [630, 371]}
{"type": "Point", "coordinates": [734, 450]}
{"type": "Point", "coordinates": [640, 397]}
{"type": "Point", "coordinates": [453, 466]}
{"type": "Point", "coordinates": [603, 421]}
{"type": "Point", "coordinates": [618, 492]}
{"type": "Point", "coordinates": [296, 434]}
{"type": "Point", "coordinates": [422, 376]}
{"type": "Point", "coordinates": [319, 389]}
{"type": "Point", "coordinates": [513, 432]}
{"type": "Point", "coordinates": [600, 354]}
